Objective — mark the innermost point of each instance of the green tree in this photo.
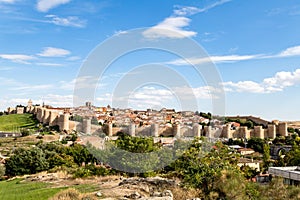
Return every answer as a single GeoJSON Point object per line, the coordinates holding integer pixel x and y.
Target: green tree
{"type": "Point", "coordinates": [80, 154]}
{"type": "Point", "coordinates": [291, 130]}
{"type": "Point", "coordinates": [201, 167]}
{"type": "Point", "coordinates": [26, 161]}
{"type": "Point", "coordinates": [279, 140]}
{"type": "Point", "coordinates": [257, 144]}
{"type": "Point", "coordinates": [292, 158]}
{"type": "Point", "coordinates": [61, 160]}
{"type": "Point", "coordinates": [266, 157]}
{"type": "Point", "coordinates": [135, 155]}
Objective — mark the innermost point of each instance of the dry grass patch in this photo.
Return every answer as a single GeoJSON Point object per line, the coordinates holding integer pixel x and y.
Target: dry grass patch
{"type": "Point", "coordinates": [73, 194]}
{"type": "Point", "coordinates": [182, 193]}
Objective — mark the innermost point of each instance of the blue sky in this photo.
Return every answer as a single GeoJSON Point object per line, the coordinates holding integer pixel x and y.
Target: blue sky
{"type": "Point", "coordinates": [255, 46]}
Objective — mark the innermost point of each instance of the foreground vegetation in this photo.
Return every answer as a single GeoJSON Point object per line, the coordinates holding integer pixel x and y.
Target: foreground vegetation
{"type": "Point", "coordinates": [209, 169]}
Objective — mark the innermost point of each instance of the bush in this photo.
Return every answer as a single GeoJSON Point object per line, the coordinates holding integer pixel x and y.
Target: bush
{"type": "Point", "coordinates": [25, 132]}
{"type": "Point", "coordinates": [82, 172]}
{"type": "Point", "coordinates": [97, 170]}
{"type": "Point", "coordinates": [69, 194]}
{"type": "Point", "coordinates": [72, 194]}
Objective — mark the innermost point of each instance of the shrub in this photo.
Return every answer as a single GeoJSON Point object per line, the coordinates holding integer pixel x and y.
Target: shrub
{"type": "Point", "coordinates": [82, 173]}
{"type": "Point", "coordinates": [69, 194]}
{"type": "Point", "coordinates": [72, 194]}
{"type": "Point", "coordinates": [25, 132]}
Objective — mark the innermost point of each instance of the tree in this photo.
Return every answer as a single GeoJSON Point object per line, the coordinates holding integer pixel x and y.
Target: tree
{"type": "Point", "coordinates": [257, 144]}
{"type": "Point", "coordinates": [266, 156]}
{"type": "Point", "coordinates": [135, 155]}
{"type": "Point", "coordinates": [292, 158]}
{"type": "Point", "coordinates": [249, 124]}
{"type": "Point", "coordinates": [26, 161]}
{"type": "Point", "coordinates": [207, 116]}
{"type": "Point", "coordinates": [279, 140]}
{"type": "Point", "coordinates": [61, 160]}
{"type": "Point", "coordinates": [291, 130]}
{"type": "Point", "coordinates": [202, 167]}
{"type": "Point", "coordinates": [80, 154]}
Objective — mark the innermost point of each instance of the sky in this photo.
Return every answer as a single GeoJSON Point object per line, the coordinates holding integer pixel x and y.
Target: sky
{"type": "Point", "coordinates": [253, 45]}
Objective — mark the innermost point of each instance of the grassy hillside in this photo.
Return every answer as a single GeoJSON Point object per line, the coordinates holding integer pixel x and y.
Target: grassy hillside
{"type": "Point", "coordinates": [12, 123]}
{"type": "Point", "coordinates": [15, 189]}
{"type": "Point", "coordinates": [24, 190]}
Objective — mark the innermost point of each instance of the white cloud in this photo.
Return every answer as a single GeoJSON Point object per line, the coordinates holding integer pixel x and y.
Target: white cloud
{"type": "Point", "coordinates": [29, 88]}
{"type": "Point", "coordinates": [152, 97]}
{"type": "Point", "coordinates": [82, 82]}
{"type": "Point", "coordinates": [292, 51]}
{"type": "Point", "coordinates": [74, 58]}
{"type": "Point", "coordinates": [174, 26]}
{"type": "Point", "coordinates": [202, 92]}
{"type": "Point", "coordinates": [217, 3]}
{"type": "Point", "coordinates": [50, 99]}
{"type": "Point", "coordinates": [16, 85]}
{"type": "Point", "coordinates": [120, 32]}
{"type": "Point", "coordinates": [244, 86]}
{"type": "Point", "coordinates": [278, 82]}
{"type": "Point", "coordinates": [171, 27]}
{"type": "Point", "coordinates": [54, 52]}
{"type": "Point", "coordinates": [49, 64]}
{"type": "Point", "coordinates": [46, 5]}
{"type": "Point", "coordinates": [7, 82]}
{"type": "Point", "coordinates": [107, 97]}
{"type": "Point", "coordinates": [19, 58]}
{"type": "Point", "coordinates": [6, 68]}
{"type": "Point", "coordinates": [215, 59]}
{"type": "Point", "coordinates": [190, 10]}
{"type": "Point", "coordinates": [71, 21]}
{"type": "Point", "coordinates": [58, 100]}
{"type": "Point", "coordinates": [8, 1]}
{"type": "Point", "coordinates": [185, 10]}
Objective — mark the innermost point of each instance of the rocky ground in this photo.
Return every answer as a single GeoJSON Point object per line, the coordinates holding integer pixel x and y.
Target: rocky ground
{"type": "Point", "coordinates": [120, 188]}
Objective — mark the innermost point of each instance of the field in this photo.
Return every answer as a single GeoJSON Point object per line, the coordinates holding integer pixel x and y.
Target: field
{"type": "Point", "coordinates": [16, 189]}
{"type": "Point", "coordinates": [25, 190]}
{"type": "Point", "coordinates": [12, 123]}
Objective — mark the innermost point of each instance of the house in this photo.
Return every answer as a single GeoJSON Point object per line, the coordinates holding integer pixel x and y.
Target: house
{"type": "Point", "coordinates": [263, 178]}
{"type": "Point", "coordinates": [245, 151]}
{"type": "Point", "coordinates": [235, 147]}
{"type": "Point", "coordinates": [254, 164]}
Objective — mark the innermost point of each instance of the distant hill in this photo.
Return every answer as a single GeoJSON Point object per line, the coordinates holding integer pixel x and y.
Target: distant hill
{"type": "Point", "coordinates": [12, 123]}
{"type": "Point", "coordinates": [256, 120]}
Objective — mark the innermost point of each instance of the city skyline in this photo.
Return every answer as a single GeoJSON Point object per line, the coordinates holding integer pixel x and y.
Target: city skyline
{"type": "Point", "coordinates": [254, 45]}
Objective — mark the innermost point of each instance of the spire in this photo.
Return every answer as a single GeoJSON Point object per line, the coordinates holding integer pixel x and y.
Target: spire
{"type": "Point", "coordinates": [29, 104]}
